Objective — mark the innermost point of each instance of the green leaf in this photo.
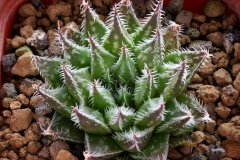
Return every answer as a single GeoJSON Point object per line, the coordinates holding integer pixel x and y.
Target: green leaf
{"type": "Point", "coordinates": [90, 120]}
{"type": "Point", "coordinates": [101, 60]}
{"type": "Point", "coordinates": [78, 82]}
{"type": "Point", "coordinates": [117, 34]}
{"type": "Point", "coordinates": [100, 147]}
{"type": "Point", "coordinates": [145, 87]}
{"type": "Point", "coordinates": [50, 69]}
{"type": "Point", "coordinates": [151, 113]}
{"type": "Point", "coordinates": [63, 128]}
{"type": "Point", "coordinates": [124, 70]}
{"type": "Point", "coordinates": [125, 97]}
{"type": "Point", "coordinates": [100, 97]}
{"type": "Point", "coordinates": [91, 24]}
{"type": "Point", "coordinates": [134, 139]}
{"type": "Point", "coordinates": [59, 99]}
{"type": "Point", "coordinates": [119, 118]}
{"type": "Point", "coordinates": [157, 148]}
{"type": "Point", "coordinates": [130, 19]}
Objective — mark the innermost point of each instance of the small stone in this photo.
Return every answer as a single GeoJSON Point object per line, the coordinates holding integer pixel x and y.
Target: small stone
{"type": "Point", "coordinates": [201, 18]}
{"type": "Point", "coordinates": [230, 130]}
{"type": "Point", "coordinates": [8, 90]}
{"type": "Point", "coordinates": [222, 77]}
{"type": "Point", "coordinates": [206, 68]}
{"type": "Point", "coordinates": [236, 82]}
{"type": "Point", "coordinates": [58, 9]}
{"type": "Point", "coordinates": [34, 100]}
{"type": "Point", "coordinates": [236, 119]}
{"type": "Point", "coordinates": [2, 122]}
{"type": "Point", "coordinates": [27, 10]}
{"type": "Point", "coordinates": [210, 139]}
{"type": "Point", "coordinates": [197, 156]}
{"type": "Point", "coordinates": [23, 151]}
{"type": "Point", "coordinates": [33, 147]}
{"type": "Point", "coordinates": [208, 93]}
{"type": "Point", "coordinates": [36, 3]}
{"type": "Point", "coordinates": [228, 40]}
{"type": "Point", "coordinates": [231, 20]}
{"type": "Point", "coordinates": [20, 119]}
{"type": "Point", "coordinates": [15, 105]}
{"type": "Point", "coordinates": [216, 38]}
{"type": "Point", "coordinates": [174, 154]}
{"type": "Point", "coordinates": [197, 44]}
{"type": "Point", "coordinates": [229, 95]}
{"type": "Point", "coordinates": [201, 148]}
{"type": "Point", "coordinates": [215, 152]}
{"type": "Point", "coordinates": [195, 25]}
{"type": "Point", "coordinates": [232, 149]}
{"type": "Point", "coordinates": [197, 136]}
{"type": "Point", "coordinates": [214, 8]}
{"type": "Point", "coordinates": [17, 140]}
{"type": "Point", "coordinates": [31, 157]}
{"type": "Point", "coordinates": [44, 153]}
{"type": "Point", "coordinates": [26, 31]}
{"type": "Point", "coordinates": [18, 41]}
{"type": "Point", "coordinates": [210, 127]}
{"type": "Point", "coordinates": [25, 66]}
{"type": "Point", "coordinates": [57, 146]}
{"type": "Point", "coordinates": [237, 50]}
{"type": "Point", "coordinates": [27, 84]}
{"type": "Point", "coordinates": [23, 99]}
{"type": "Point", "coordinates": [32, 21]}
{"type": "Point", "coordinates": [235, 69]}
{"type": "Point", "coordinates": [184, 17]}
{"type": "Point", "coordinates": [175, 6]}
{"type": "Point", "coordinates": [8, 61]}
{"type": "Point", "coordinates": [193, 33]}
{"type": "Point", "coordinates": [31, 133]}
{"type": "Point", "coordinates": [63, 155]}
{"type": "Point", "coordinates": [211, 27]}
{"type": "Point", "coordinates": [185, 40]}
{"type": "Point", "coordinates": [12, 155]}
{"type": "Point", "coordinates": [6, 113]}
{"type": "Point", "coordinates": [196, 78]}
{"type": "Point", "coordinates": [221, 59]}
{"type": "Point", "coordinates": [222, 110]}
{"type": "Point", "coordinates": [22, 50]}
{"type": "Point", "coordinates": [42, 109]}
{"type": "Point", "coordinates": [38, 40]}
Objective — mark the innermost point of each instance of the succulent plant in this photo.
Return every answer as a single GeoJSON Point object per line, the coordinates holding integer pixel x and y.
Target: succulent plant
{"type": "Point", "coordinates": [122, 84]}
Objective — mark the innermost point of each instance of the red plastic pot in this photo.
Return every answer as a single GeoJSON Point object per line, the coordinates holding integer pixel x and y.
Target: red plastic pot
{"type": "Point", "coordinates": [9, 13]}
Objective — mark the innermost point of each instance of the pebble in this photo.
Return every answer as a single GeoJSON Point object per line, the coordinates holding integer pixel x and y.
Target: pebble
{"type": "Point", "coordinates": [216, 38]}
{"type": "Point", "coordinates": [23, 50]}
{"type": "Point", "coordinates": [215, 152]}
{"type": "Point", "coordinates": [236, 82]}
{"type": "Point", "coordinates": [26, 86]}
{"type": "Point", "coordinates": [210, 127]}
{"type": "Point", "coordinates": [34, 100]}
{"type": "Point", "coordinates": [63, 155]}
{"type": "Point", "coordinates": [210, 27]}
{"type": "Point", "coordinates": [184, 17]}
{"type": "Point", "coordinates": [197, 156]}
{"type": "Point", "coordinates": [207, 68]}
{"type": "Point", "coordinates": [42, 109]}
{"type": "Point", "coordinates": [197, 43]}
{"type": "Point", "coordinates": [222, 110]}
{"type": "Point", "coordinates": [175, 6]}
{"type": "Point", "coordinates": [222, 77]}
{"type": "Point", "coordinates": [23, 99]}
{"type": "Point", "coordinates": [8, 90]}
{"type": "Point", "coordinates": [221, 59]}
{"type": "Point", "coordinates": [228, 40]}
{"type": "Point", "coordinates": [26, 31]}
{"type": "Point", "coordinates": [15, 105]}
{"type": "Point", "coordinates": [36, 3]}
{"type": "Point", "coordinates": [44, 153]}
{"type": "Point", "coordinates": [32, 133]}
{"type": "Point", "coordinates": [193, 33]}
{"type": "Point", "coordinates": [17, 140]}
{"type": "Point", "coordinates": [237, 50]}
{"type": "Point", "coordinates": [208, 93]}
{"type": "Point", "coordinates": [27, 10]}
{"type": "Point", "coordinates": [201, 18]}
{"type": "Point", "coordinates": [38, 40]}
{"type": "Point", "coordinates": [232, 149]}
{"type": "Point", "coordinates": [8, 61]}
{"type": "Point", "coordinates": [57, 146]}
{"type": "Point", "coordinates": [25, 66]}
{"type": "Point", "coordinates": [18, 41]}
{"type": "Point", "coordinates": [230, 131]}
{"type": "Point", "coordinates": [20, 119]}
{"type": "Point", "coordinates": [214, 8]}
{"type": "Point", "coordinates": [229, 95]}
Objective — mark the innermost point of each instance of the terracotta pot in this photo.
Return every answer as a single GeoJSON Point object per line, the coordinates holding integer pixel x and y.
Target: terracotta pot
{"type": "Point", "coordinates": [9, 13]}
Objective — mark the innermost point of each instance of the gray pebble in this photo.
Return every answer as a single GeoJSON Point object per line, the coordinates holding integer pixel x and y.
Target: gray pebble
{"type": "Point", "coordinates": [36, 3]}
{"type": "Point", "coordinates": [8, 90]}
{"type": "Point", "coordinates": [38, 40]}
{"type": "Point", "coordinates": [197, 44]}
{"type": "Point", "coordinates": [193, 33]}
{"type": "Point", "coordinates": [8, 62]}
{"type": "Point", "coordinates": [197, 156]}
{"type": "Point", "coordinates": [175, 6]}
{"type": "Point", "coordinates": [215, 152]}
{"type": "Point", "coordinates": [42, 109]}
